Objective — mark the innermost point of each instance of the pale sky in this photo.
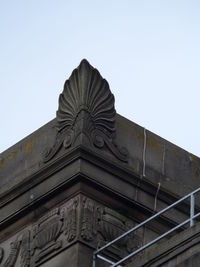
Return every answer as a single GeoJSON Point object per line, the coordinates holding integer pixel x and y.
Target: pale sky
{"type": "Point", "coordinates": [148, 51]}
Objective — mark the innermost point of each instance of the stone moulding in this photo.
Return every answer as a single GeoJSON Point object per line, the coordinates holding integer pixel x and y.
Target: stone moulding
{"type": "Point", "coordinates": [1, 254]}
{"type": "Point", "coordinates": [100, 225]}
{"type": "Point", "coordinates": [86, 113]}
{"type": "Point", "coordinates": [80, 219]}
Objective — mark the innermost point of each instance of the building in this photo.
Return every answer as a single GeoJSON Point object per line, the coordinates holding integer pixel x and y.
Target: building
{"type": "Point", "coordinates": [87, 177]}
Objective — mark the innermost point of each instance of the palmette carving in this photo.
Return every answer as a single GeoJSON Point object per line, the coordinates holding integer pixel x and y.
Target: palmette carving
{"type": "Point", "coordinates": [59, 227]}
{"type": "Point", "coordinates": [46, 233]}
{"type": "Point", "coordinates": [25, 249]}
{"type": "Point", "coordinates": [14, 251]}
{"type": "Point", "coordinates": [112, 225]}
{"type": "Point", "coordinates": [22, 243]}
{"type": "Point", "coordinates": [89, 219]}
{"type": "Point", "coordinates": [86, 111]}
{"type": "Point", "coordinates": [69, 214]}
{"type": "Point", "coordinates": [101, 225]}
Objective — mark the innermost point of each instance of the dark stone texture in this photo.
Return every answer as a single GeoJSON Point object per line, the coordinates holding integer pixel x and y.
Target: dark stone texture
{"type": "Point", "coordinates": [180, 167]}
{"type": "Point", "coordinates": [24, 158]}
{"type": "Point", "coordinates": [181, 250]}
{"type": "Point", "coordinates": [86, 177]}
{"type": "Point", "coordinates": [76, 226]}
{"type": "Point", "coordinates": [86, 114]}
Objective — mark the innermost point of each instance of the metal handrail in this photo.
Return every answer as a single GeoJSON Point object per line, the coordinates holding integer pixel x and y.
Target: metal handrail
{"type": "Point", "coordinates": [190, 220]}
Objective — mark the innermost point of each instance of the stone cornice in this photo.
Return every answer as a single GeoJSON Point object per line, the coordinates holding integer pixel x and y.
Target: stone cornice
{"type": "Point", "coordinates": [121, 172]}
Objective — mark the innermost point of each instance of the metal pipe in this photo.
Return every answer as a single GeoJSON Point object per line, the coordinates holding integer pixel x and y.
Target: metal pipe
{"type": "Point", "coordinates": [190, 220]}
{"type": "Point", "coordinates": [192, 209]}
{"type": "Point", "coordinates": [105, 259]}
{"type": "Point", "coordinates": [146, 221]}
{"type": "Point", "coordinates": [154, 241]}
{"type": "Point", "coordinates": [94, 260]}
{"type": "Point", "coordinates": [149, 244]}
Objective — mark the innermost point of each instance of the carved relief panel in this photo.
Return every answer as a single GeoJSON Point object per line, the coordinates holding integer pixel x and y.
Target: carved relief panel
{"type": "Point", "coordinates": [70, 219]}
{"type": "Point", "coordinates": [80, 218]}
{"type": "Point", "coordinates": [53, 232]}
{"type": "Point", "coordinates": [45, 235]}
{"type": "Point", "coordinates": [100, 225]}
{"type": "Point", "coordinates": [18, 248]}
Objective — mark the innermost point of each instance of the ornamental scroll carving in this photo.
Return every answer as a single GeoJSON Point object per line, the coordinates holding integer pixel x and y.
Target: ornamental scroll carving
{"type": "Point", "coordinates": [34, 245]}
{"type": "Point", "coordinates": [14, 251]}
{"type": "Point", "coordinates": [86, 112]}
{"type": "Point", "coordinates": [81, 218]}
{"type": "Point", "coordinates": [45, 235]}
{"type": "Point", "coordinates": [69, 215]}
{"type": "Point", "coordinates": [21, 243]}
{"type": "Point", "coordinates": [90, 218]}
{"type": "Point", "coordinates": [101, 225]}
{"type": "Point", "coordinates": [53, 232]}
{"type": "Point", "coordinates": [112, 225]}
{"type": "Point", "coordinates": [25, 249]}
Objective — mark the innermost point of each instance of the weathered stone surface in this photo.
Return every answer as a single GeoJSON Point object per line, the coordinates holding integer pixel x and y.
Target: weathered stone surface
{"type": "Point", "coordinates": [79, 220]}
{"type": "Point", "coordinates": [23, 159]}
{"type": "Point", "coordinates": [86, 114]}
{"type": "Point", "coordinates": [181, 250]}
{"type": "Point", "coordinates": [57, 206]}
{"type": "Point", "coordinates": [176, 170]}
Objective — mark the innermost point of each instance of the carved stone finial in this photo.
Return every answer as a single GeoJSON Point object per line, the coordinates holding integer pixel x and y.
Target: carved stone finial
{"type": "Point", "coordinates": [86, 113]}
